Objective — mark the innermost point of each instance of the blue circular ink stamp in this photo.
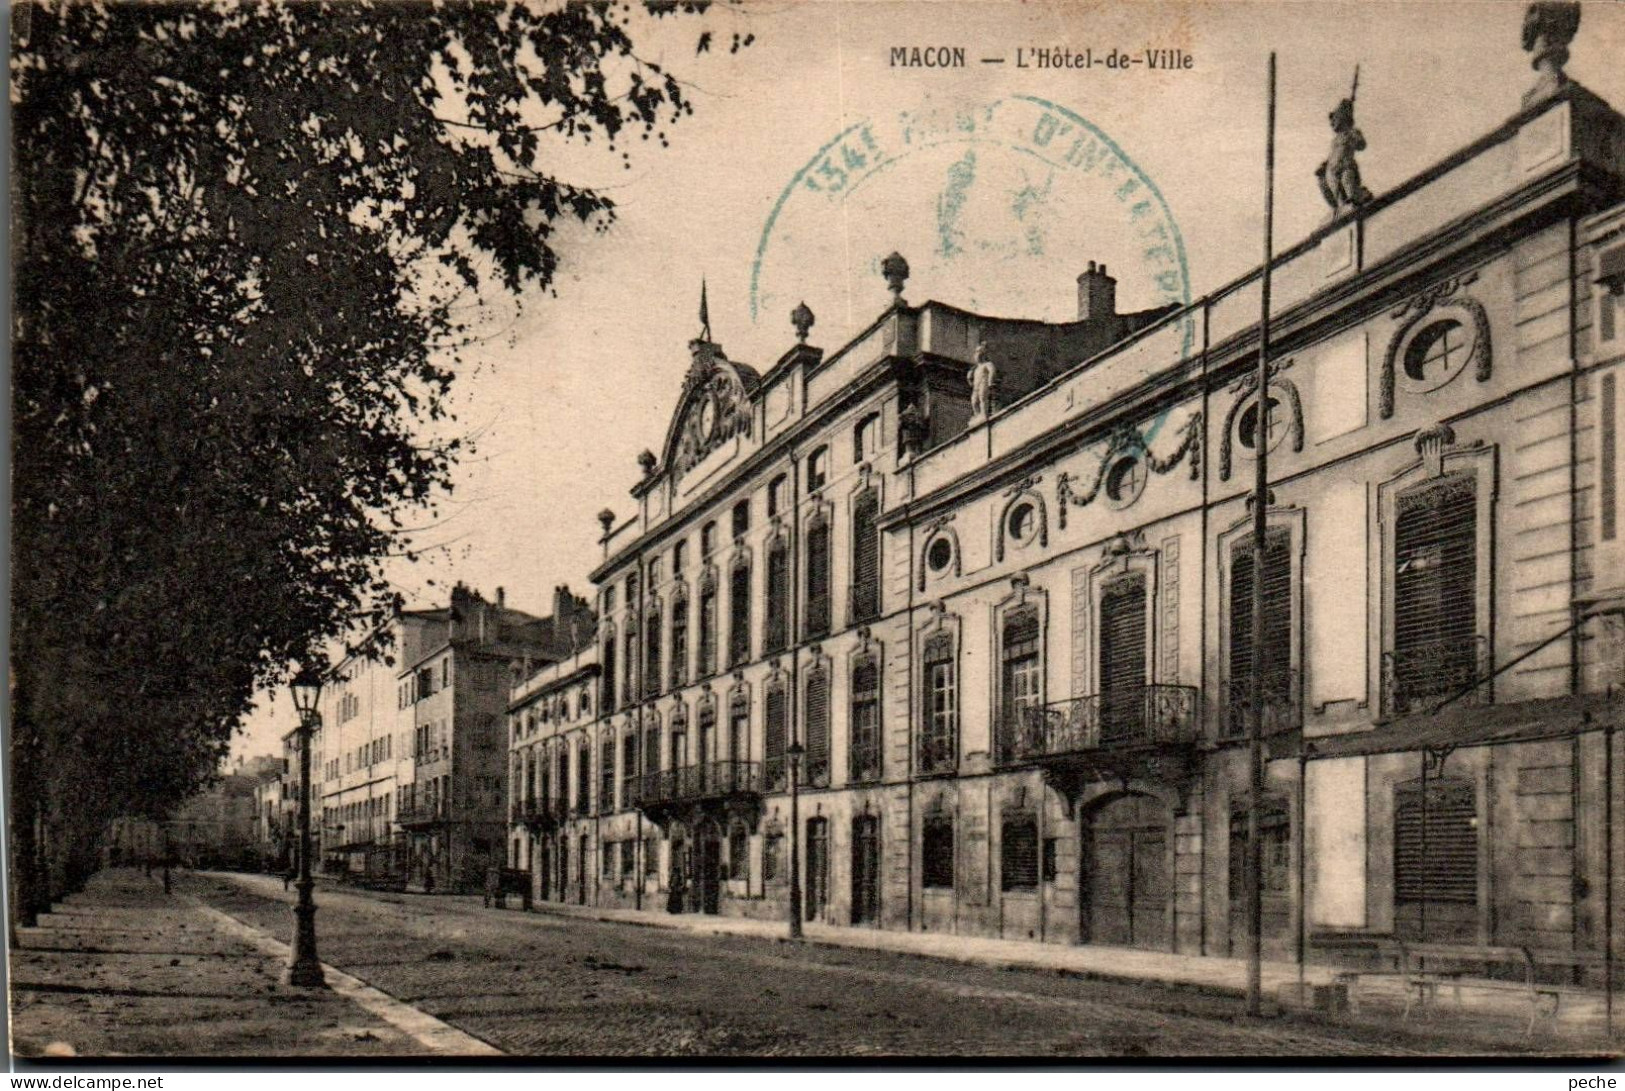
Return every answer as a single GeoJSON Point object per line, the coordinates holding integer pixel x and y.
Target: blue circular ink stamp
{"type": "Point", "coordinates": [996, 206]}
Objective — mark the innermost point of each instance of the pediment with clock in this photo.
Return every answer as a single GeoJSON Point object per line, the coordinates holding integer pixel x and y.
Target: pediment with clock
{"type": "Point", "coordinates": [714, 410]}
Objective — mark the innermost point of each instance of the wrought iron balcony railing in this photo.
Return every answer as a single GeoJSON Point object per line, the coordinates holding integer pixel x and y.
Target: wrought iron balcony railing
{"type": "Point", "coordinates": [1154, 715]}
{"type": "Point", "coordinates": [423, 814]}
{"type": "Point", "coordinates": [541, 812]}
{"type": "Point", "coordinates": [938, 755]}
{"type": "Point", "coordinates": [776, 774]}
{"type": "Point", "coordinates": [862, 602]}
{"type": "Point", "coordinates": [696, 783]}
{"type": "Point", "coordinates": [1417, 677]}
{"type": "Point", "coordinates": [864, 762]}
{"type": "Point", "coordinates": [1283, 704]}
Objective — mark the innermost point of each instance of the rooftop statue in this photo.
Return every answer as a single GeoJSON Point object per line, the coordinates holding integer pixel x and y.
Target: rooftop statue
{"type": "Point", "coordinates": [1548, 28]}
{"type": "Point", "coordinates": [1339, 175]}
{"type": "Point", "coordinates": [981, 377]}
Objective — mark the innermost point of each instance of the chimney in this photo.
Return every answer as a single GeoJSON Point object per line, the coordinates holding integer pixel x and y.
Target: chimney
{"type": "Point", "coordinates": [1097, 294]}
{"type": "Point", "coordinates": [502, 598]}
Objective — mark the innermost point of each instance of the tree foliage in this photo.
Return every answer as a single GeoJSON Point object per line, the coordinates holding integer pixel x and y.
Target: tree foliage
{"type": "Point", "coordinates": [244, 235]}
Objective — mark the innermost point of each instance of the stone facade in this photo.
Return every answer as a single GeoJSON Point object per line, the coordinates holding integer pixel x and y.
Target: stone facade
{"type": "Point", "coordinates": [1016, 648]}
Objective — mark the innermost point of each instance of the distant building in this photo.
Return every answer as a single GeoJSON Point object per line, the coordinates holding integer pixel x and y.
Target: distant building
{"type": "Point", "coordinates": [1009, 621]}
{"type": "Point", "coordinates": [220, 826]}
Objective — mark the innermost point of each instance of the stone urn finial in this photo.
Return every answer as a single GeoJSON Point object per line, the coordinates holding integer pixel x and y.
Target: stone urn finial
{"type": "Point", "coordinates": [606, 519]}
{"type": "Point", "coordinates": [1548, 28]}
{"type": "Point", "coordinates": [647, 462]}
{"type": "Point", "coordinates": [895, 269]}
{"type": "Point", "coordinates": [802, 319]}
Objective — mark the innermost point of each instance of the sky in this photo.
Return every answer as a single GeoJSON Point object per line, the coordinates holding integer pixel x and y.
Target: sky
{"type": "Point", "coordinates": [809, 157]}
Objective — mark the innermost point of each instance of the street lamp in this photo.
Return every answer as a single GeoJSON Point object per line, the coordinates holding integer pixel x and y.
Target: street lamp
{"type": "Point", "coordinates": [796, 753]}
{"type": "Point", "coordinates": [304, 968]}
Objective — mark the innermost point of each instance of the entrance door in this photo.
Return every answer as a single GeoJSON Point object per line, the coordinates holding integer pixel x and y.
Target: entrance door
{"type": "Point", "coordinates": [710, 871]}
{"type": "Point", "coordinates": [865, 869]}
{"type": "Point", "coordinates": [581, 870]}
{"type": "Point", "coordinates": [817, 867]}
{"type": "Point", "coordinates": [1128, 874]}
{"type": "Point", "coordinates": [544, 867]}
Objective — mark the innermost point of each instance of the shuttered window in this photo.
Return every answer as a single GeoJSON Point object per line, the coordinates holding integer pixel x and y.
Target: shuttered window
{"type": "Point", "coordinates": [679, 640]}
{"type": "Point", "coordinates": [775, 734]}
{"type": "Point", "coordinates": [631, 666]}
{"type": "Point", "coordinates": [1018, 852]}
{"type": "Point", "coordinates": [865, 557]}
{"type": "Point", "coordinates": [608, 677]}
{"type": "Point", "coordinates": [651, 749]}
{"type": "Point", "coordinates": [1122, 657]}
{"type": "Point", "coordinates": [818, 726]}
{"type": "Point", "coordinates": [865, 719]}
{"type": "Point", "coordinates": [651, 656]}
{"type": "Point", "coordinates": [1275, 837]}
{"type": "Point", "coordinates": [818, 579]}
{"type": "Point", "coordinates": [772, 858]}
{"type": "Point", "coordinates": [738, 727]}
{"type": "Point", "coordinates": [777, 636]}
{"type": "Point", "coordinates": [606, 777]}
{"type": "Point", "coordinates": [708, 629]}
{"type": "Point", "coordinates": [1608, 459]}
{"type": "Point", "coordinates": [738, 852]}
{"type": "Point", "coordinates": [583, 780]}
{"type": "Point", "coordinates": [1435, 651]}
{"type": "Point", "coordinates": [739, 615]}
{"type": "Point", "coordinates": [937, 852]}
{"type": "Point", "coordinates": [1436, 861]}
{"type": "Point", "coordinates": [1277, 630]}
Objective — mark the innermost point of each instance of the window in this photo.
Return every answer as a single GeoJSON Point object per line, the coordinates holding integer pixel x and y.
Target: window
{"type": "Point", "coordinates": [607, 679]}
{"type": "Point", "coordinates": [445, 673]}
{"type": "Point", "coordinates": [1123, 658]}
{"type": "Point", "coordinates": [865, 719]}
{"type": "Point", "coordinates": [1022, 523]}
{"type": "Point", "coordinates": [777, 635]}
{"type": "Point", "coordinates": [866, 438]}
{"type": "Point", "coordinates": [708, 628]}
{"type": "Point", "coordinates": [817, 469]}
{"type": "Point", "coordinates": [628, 860]}
{"type": "Point", "coordinates": [937, 852]}
{"type": "Point", "coordinates": [818, 619]}
{"type": "Point", "coordinates": [606, 776]}
{"type": "Point", "coordinates": [651, 748]}
{"type": "Point", "coordinates": [1021, 690]}
{"type": "Point", "coordinates": [631, 664]}
{"type": "Point", "coordinates": [1611, 294]}
{"type": "Point", "coordinates": [629, 768]}
{"type": "Point", "coordinates": [1050, 870]}
{"type": "Point", "coordinates": [708, 539]}
{"type": "Point", "coordinates": [1125, 481]}
{"type": "Point", "coordinates": [741, 519]}
{"type": "Point", "coordinates": [1018, 852]}
{"type": "Point", "coordinates": [679, 638]}
{"type": "Point", "coordinates": [775, 735]}
{"type": "Point", "coordinates": [651, 857]}
{"type": "Point", "coordinates": [865, 557]}
{"type": "Point", "coordinates": [773, 858]}
{"type": "Point", "coordinates": [609, 599]}
{"type": "Point", "coordinates": [1435, 853]}
{"type": "Point", "coordinates": [1279, 675]}
{"type": "Point", "coordinates": [1608, 457]}
{"type": "Point", "coordinates": [583, 780]}
{"type": "Point", "coordinates": [1436, 647]}
{"type": "Point", "coordinates": [606, 869]}
{"type": "Point", "coordinates": [738, 727]}
{"type": "Point", "coordinates": [939, 555]}
{"type": "Point", "coordinates": [739, 614]}
{"type": "Point", "coordinates": [631, 589]}
{"type": "Point", "coordinates": [939, 742]}
{"type": "Point", "coordinates": [1275, 839]}
{"type": "Point", "coordinates": [1434, 357]}
{"type": "Point", "coordinates": [776, 495]}
{"type": "Point", "coordinates": [817, 726]}
{"type": "Point", "coordinates": [654, 573]}
{"type": "Point", "coordinates": [679, 558]}
{"type": "Point", "coordinates": [706, 722]}
{"type": "Point", "coordinates": [651, 653]}
{"type": "Point", "coordinates": [1247, 423]}
{"type": "Point", "coordinates": [738, 852]}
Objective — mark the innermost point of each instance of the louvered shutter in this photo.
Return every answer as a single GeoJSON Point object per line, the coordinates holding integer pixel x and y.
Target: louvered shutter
{"type": "Point", "coordinates": [1435, 592]}
{"type": "Point", "coordinates": [778, 598]}
{"type": "Point", "coordinates": [1018, 853]}
{"type": "Point", "coordinates": [818, 727]}
{"type": "Point", "coordinates": [774, 735]}
{"type": "Point", "coordinates": [818, 580]}
{"type": "Point", "coordinates": [651, 656]}
{"type": "Point", "coordinates": [865, 558]}
{"type": "Point", "coordinates": [1438, 862]}
{"type": "Point", "coordinates": [1277, 628]}
{"type": "Point", "coordinates": [739, 615]}
{"type": "Point", "coordinates": [1122, 657]}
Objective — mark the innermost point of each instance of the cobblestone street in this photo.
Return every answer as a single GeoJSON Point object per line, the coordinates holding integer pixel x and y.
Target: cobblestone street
{"type": "Point", "coordinates": [545, 985]}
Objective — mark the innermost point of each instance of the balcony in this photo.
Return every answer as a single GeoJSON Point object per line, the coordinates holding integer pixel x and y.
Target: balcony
{"type": "Point", "coordinates": [1283, 703]}
{"type": "Point", "coordinates": [541, 814]}
{"type": "Point", "coordinates": [716, 782]}
{"type": "Point", "coordinates": [419, 815]}
{"type": "Point", "coordinates": [862, 602]}
{"type": "Point", "coordinates": [1418, 677]}
{"type": "Point", "coordinates": [1134, 732]}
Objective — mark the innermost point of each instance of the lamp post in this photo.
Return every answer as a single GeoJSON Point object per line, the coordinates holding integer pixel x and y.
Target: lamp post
{"type": "Point", "coordinates": [796, 752]}
{"type": "Point", "coordinates": [304, 968]}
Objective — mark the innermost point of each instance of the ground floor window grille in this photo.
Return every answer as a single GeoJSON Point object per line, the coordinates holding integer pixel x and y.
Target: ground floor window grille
{"type": "Point", "coordinates": [1436, 858]}
{"type": "Point", "coordinates": [607, 868]}
{"type": "Point", "coordinates": [1018, 852]}
{"type": "Point", "coordinates": [738, 855]}
{"type": "Point", "coordinates": [1275, 837]}
{"type": "Point", "coordinates": [628, 860]}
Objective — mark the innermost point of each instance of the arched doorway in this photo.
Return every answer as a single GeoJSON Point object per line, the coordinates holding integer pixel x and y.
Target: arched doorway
{"type": "Point", "coordinates": [1128, 882]}
{"type": "Point", "coordinates": [708, 866]}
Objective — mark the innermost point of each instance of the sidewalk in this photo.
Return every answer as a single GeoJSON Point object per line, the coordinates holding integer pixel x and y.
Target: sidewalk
{"type": "Point", "coordinates": [121, 969]}
{"type": "Point", "coordinates": [1580, 1014]}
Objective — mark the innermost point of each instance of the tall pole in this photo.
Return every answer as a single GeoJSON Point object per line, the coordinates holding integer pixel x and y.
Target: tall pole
{"type": "Point", "coordinates": [1255, 723]}
{"type": "Point", "coordinates": [795, 840]}
{"type": "Point", "coordinates": [304, 968]}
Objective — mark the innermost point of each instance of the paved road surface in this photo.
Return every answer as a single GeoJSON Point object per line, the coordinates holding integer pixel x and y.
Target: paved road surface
{"type": "Point", "coordinates": [544, 985]}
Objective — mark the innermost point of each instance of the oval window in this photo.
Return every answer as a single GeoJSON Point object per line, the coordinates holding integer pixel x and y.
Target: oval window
{"type": "Point", "coordinates": [1022, 522]}
{"type": "Point", "coordinates": [940, 555]}
{"type": "Point", "coordinates": [1437, 354]}
{"type": "Point", "coordinates": [1247, 425]}
{"type": "Point", "coordinates": [1125, 481]}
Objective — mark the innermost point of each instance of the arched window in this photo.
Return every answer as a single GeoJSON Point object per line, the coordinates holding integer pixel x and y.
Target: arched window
{"type": "Point", "coordinates": [741, 519]}
{"type": "Point", "coordinates": [817, 469]}
{"type": "Point", "coordinates": [708, 627]}
{"type": "Point", "coordinates": [1021, 676]}
{"type": "Point", "coordinates": [866, 438]}
{"type": "Point", "coordinates": [776, 497]}
{"type": "Point", "coordinates": [817, 724]}
{"type": "Point", "coordinates": [708, 539]}
{"type": "Point", "coordinates": [679, 638]}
